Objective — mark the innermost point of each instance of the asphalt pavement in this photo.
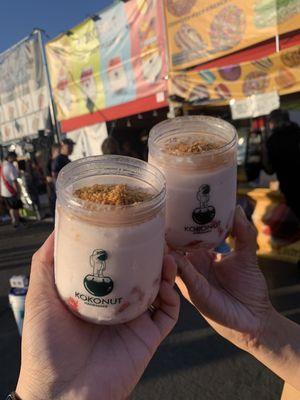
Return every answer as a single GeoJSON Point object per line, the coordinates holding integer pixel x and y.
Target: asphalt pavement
{"type": "Point", "coordinates": [192, 363]}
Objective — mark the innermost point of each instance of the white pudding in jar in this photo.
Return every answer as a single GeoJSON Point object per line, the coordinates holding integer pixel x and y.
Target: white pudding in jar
{"type": "Point", "coordinates": [109, 237]}
{"type": "Point", "coordinates": [197, 156]}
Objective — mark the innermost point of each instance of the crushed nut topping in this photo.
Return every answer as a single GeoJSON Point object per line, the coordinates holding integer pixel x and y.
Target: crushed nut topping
{"type": "Point", "coordinates": [117, 195]}
{"type": "Point", "coordinates": [195, 147]}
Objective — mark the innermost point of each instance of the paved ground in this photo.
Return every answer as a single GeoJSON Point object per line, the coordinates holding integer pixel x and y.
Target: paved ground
{"type": "Point", "coordinates": [193, 362]}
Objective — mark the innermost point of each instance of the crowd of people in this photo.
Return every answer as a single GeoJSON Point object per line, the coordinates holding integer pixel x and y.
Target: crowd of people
{"type": "Point", "coordinates": [24, 180]}
{"type": "Point", "coordinates": [279, 154]}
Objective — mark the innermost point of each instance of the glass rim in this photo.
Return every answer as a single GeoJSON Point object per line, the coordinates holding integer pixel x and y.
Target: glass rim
{"type": "Point", "coordinates": [110, 165]}
{"type": "Point", "coordinates": [166, 126]}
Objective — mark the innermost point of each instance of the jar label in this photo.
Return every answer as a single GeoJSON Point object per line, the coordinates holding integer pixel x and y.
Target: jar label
{"type": "Point", "coordinates": [203, 215]}
{"type": "Point", "coordinates": [96, 283]}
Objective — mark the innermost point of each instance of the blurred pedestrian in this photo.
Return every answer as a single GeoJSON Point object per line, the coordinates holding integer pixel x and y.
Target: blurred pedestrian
{"type": "Point", "coordinates": [55, 151]}
{"type": "Point", "coordinates": [143, 144]}
{"type": "Point", "coordinates": [62, 159]}
{"type": "Point", "coordinates": [129, 150]}
{"type": "Point", "coordinates": [253, 163]}
{"type": "Point", "coordinates": [36, 183]}
{"type": "Point", "coordinates": [10, 189]}
{"type": "Point", "coordinates": [110, 146]}
{"type": "Point", "coordinates": [283, 149]}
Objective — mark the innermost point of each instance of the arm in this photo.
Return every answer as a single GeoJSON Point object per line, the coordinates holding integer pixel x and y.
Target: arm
{"type": "Point", "coordinates": [278, 348]}
{"type": "Point", "coordinates": [54, 176]}
{"type": "Point", "coordinates": [232, 295]}
{"type": "Point", "coordinates": [54, 170]}
{"type": "Point", "coordinates": [15, 185]}
{"type": "Point", "coordinates": [14, 175]}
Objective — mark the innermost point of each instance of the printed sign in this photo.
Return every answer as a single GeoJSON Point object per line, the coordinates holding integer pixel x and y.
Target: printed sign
{"type": "Point", "coordinates": [241, 109]}
{"type": "Point", "coordinates": [255, 106]}
{"type": "Point", "coordinates": [264, 103]}
{"type": "Point", "coordinates": [24, 97]}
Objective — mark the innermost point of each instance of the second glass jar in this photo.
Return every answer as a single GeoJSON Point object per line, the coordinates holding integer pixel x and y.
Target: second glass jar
{"type": "Point", "coordinates": [201, 187]}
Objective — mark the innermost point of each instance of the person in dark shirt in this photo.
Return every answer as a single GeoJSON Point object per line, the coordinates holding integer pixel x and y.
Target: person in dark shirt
{"type": "Point", "coordinates": [67, 146]}
{"type": "Point", "coordinates": [283, 148]}
{"type": "Point", "coordinates": [110, 146]}
{"type": "Point", "coordinates": [55, 151]}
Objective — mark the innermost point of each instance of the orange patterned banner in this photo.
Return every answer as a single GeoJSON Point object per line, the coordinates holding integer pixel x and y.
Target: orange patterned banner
{"type": "Point", "coordinates": [279, 72]}
{"type": "Point", "coordinates": [201, 31]}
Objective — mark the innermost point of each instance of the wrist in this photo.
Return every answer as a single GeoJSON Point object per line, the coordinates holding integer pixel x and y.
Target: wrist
{"type": "Point", "coordinates": [28, 389]}
{"type": "Point", "coordinates": [13, 396]}
{"type": "Point", "coordinates": [278, 348]}
{"type": "Point", "coordinates": [265, 339]}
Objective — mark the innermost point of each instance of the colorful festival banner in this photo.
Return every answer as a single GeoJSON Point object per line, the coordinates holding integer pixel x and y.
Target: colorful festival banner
{"type": "Point", "coordinates": [279, 72]}
{"type": "Point", "coordinates": [116, 67]}
{"type": "Point", "coordinates": [114, 58]}
{"type": "Point", "coordinates": [24, 96]}
{"type": "Point", "coordinates": [148, 46]}
{"type": "Point", "coordinates": [74, 65]}
{"type": "Point", "coordinates": [202, 31]}
{"type": "Point", "coordinates": [283, 14]}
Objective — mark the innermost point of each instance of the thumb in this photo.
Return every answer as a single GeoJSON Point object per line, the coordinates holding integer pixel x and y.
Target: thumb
{"type": "Point", "coordinates": [42, 273]}
{"type": "Point", "coordinates": [192, 284]}
{"type": "Point", "coordinates": [244, 233]}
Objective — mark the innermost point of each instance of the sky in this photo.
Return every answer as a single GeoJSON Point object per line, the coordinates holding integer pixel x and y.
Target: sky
{"type": "Point", "coordinates": [19, 17]}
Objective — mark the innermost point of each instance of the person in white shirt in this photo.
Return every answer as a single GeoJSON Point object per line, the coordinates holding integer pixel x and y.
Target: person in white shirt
{"type": "Point", "coordinates": [9, 187]}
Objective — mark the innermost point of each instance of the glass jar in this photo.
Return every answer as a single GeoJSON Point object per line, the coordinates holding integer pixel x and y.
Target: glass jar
{"type": "Point", "coordinates": [201, 187]}
{"type": "Point", "coordinates": [108, 259]}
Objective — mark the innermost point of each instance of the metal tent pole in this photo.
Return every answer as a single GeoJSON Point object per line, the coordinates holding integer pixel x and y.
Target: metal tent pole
{"type": "Point", "coordinates": [55, 123]}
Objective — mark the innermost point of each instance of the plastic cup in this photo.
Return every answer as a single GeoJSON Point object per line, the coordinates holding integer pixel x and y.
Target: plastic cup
{"type": "Point", "coordinates": [17, 302]}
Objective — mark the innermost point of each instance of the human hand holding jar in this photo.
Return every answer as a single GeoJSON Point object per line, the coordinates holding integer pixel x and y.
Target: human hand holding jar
{"type": "Point", "coordinates": [64, 357]}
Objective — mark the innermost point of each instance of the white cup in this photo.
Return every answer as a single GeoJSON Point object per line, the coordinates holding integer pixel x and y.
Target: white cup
{"type": "Point", "coordinates": [17, 302]}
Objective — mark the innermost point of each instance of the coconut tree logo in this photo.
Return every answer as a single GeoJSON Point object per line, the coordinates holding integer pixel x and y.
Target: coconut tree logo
{"type": "Point", "coordinates": [97, 284]}
{"type": "Point", "coordinates": [205, 213]}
